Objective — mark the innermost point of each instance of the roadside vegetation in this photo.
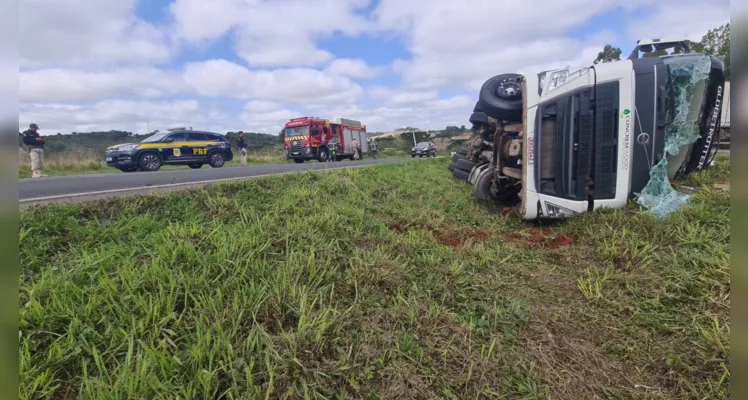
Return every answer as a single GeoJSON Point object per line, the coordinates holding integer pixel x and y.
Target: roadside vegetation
{"type": "Point", "coordinates": [380, 282]}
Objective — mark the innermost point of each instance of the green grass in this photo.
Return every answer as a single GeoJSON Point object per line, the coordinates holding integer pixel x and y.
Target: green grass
{"type": "Point", "coordinates": [379, 282]}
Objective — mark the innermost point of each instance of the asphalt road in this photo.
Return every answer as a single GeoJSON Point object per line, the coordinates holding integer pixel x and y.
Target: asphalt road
{"type": "Point", "coordinates": [91, 187]}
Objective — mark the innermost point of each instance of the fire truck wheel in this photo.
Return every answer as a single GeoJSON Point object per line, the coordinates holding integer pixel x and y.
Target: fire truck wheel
{"type": "Point", "coordinates": [501, 97]}
{"type": "Point", "coordinates": [298, 161]}
{"type": "Point", "coordinates": [323, 154]}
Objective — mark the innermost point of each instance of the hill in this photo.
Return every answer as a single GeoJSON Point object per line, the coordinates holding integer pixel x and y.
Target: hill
{"type": "Point", "coordinates": [97, 142]}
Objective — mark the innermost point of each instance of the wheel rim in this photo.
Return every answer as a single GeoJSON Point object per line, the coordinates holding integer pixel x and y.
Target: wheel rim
{"type": "Point", "coordinates": [150, 161]}
{"type": "Point", "coordinates": [323, 155]}
{"type": "Point", "coordinates": [508, 89]}
{"type": "Point", "coordinates": [217, 160]}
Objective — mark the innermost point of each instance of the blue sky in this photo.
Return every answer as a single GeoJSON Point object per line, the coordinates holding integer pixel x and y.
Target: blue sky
{"type": "Point", "coordinates": [227, 65]}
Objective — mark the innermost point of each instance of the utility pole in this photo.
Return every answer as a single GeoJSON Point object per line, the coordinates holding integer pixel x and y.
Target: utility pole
{"type": "Point", "coordinates": [414, 137]}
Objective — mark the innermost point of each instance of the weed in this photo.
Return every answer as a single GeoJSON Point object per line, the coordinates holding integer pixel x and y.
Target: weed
{"type": "Point", "coordinates": [384, 282]}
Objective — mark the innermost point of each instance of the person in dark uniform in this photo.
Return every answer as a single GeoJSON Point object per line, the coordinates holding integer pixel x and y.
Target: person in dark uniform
{"type": "Point", "coordinates": [35, 142]}
{"type": "Point", "coordinates": [243, 148]}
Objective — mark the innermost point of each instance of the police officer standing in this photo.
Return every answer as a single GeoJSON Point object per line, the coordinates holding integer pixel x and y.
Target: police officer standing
{"type": "Point", "coordinates": [35, 143]}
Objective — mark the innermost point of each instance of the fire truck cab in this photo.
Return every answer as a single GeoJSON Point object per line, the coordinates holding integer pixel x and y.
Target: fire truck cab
{"type": "Point", "coordinates": [312, 138]}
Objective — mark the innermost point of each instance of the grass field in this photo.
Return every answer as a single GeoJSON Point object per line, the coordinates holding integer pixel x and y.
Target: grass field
{"type": "Point", "coordinates": [379, 282]}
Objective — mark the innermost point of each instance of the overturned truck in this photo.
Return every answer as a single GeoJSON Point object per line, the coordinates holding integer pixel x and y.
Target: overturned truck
{"type": "Point", "coordinates": [572, 140]}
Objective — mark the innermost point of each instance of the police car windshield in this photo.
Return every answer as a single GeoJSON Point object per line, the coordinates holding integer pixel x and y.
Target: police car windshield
{"type": "Point", "coordinates": [155, 138]}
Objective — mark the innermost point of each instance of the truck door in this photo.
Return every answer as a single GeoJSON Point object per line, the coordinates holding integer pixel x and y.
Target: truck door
{"type": "Point", "coordinates": [563, 142]}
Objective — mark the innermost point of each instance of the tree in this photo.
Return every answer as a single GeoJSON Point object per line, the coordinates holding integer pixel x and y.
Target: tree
{"type": "Point", "coordinates": [716, 43]}
{"type": "Point", "coordinates": [608, 54]}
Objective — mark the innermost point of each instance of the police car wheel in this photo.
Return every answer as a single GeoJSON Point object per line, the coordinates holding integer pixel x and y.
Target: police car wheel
{"type": "Point", "coordinates": [196, 166]}
{"type": "Point", "coordinates": [150, 162]}
{"type": "Point", "coordinates": [216, 159]}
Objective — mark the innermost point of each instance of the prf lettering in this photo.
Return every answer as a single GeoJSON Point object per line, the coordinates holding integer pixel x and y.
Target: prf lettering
{"type": "Point", "coordinates": [200, 151]}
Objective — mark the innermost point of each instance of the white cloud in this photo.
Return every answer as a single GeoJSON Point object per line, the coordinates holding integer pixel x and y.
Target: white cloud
{"type": "Point", "coordinates": [353, 69]}
{"type": "Point", "coordinates": [119, 115]}
{"type": "Point", "coordinates": [677, 19]}
{"type": "Point", "coordinates": [58, 85]}
{"type": "Point", "coordinates": [293, 85]}
{"type": "Point", "coordinates": [90, 64]}
{"type": "Point", "coordinates": [271, 34]}
{"type": "Point", "coordinates": [87, 32]}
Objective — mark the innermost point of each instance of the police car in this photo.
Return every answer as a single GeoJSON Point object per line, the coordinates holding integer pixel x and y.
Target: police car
{"type": "Point", "coordinates": [175, 147]}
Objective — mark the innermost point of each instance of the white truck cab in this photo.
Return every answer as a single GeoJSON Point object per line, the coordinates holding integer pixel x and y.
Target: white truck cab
{"type": "Point", "coordinates": [582, 138]}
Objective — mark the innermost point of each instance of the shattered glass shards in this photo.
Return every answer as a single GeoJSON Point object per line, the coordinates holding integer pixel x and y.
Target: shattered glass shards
{"type": "Point", "coordinates": [685, 75]}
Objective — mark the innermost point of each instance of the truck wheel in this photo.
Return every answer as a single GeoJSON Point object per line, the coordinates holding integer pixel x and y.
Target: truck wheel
{"type": "Point", "coordinates": [478, 118]}
{"type": "Point", "coordinates": [216, 159]}
{"type": "Point", "coordinates": [482, 189]}
{"type": "Point", "coordinates": [458, 156]}
{"type": "Point", "coordinates": [451, 167]}
{"type": "Point", "coordinates": [477, 107]}
{"type": "Point", "coordinates": [150, 162]}
{"type": "Point", "coordinates": [298, 160]}
{"type": "Point", "coordinates": [323, 155]}
{"type": "Point", "coordinates": [501, 97]}
{"type": "Point", "coordinates": [464, 165]}
{"type": "Point", "coordinates": [460, 175]}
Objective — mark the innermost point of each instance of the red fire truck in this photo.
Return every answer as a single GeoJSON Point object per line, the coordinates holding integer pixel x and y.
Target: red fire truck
{"type": "Point", "coordinates": [312, 138]}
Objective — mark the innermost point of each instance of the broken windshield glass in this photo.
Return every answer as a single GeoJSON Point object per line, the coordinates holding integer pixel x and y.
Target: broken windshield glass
{"type": "Point", "coordinates": [685, 91]}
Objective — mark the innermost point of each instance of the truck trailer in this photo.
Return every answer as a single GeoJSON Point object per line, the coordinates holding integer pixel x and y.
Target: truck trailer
{"type": "Point", "coordinates": [313, 138]}
{"type": "Point", "coordinates": [577, 139]}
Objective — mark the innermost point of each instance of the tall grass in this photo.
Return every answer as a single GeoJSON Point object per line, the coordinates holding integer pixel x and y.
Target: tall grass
{"type": "Point", "coordinates": [381, 282]}
{"type": "Point", "coordinates": [73, 161]}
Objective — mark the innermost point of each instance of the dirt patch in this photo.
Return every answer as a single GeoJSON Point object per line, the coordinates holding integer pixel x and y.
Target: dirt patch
{"type": "Point", "coordinates": [396, 228]}
{"type": "Point", "coordinates": [569, 360]}
{"type": "Point", "coordinates": [540, 237]}
{"type": "Point", "coordinates": [452, 238]}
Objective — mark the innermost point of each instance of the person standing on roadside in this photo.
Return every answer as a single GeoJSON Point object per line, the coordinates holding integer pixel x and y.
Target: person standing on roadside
{"type": "Point", "coordinates": [355, 146]}
{"type": "Point", "coordinates": [374, 148]}
{"type": "Point", "coordinates": [35, 142]}
{"type": "Point", "coordinates": [243, 148]}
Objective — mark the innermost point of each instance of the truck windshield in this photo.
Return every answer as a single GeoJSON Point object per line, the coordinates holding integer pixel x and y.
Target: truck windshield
{"type": "Point", "coordinates": [297, 131]}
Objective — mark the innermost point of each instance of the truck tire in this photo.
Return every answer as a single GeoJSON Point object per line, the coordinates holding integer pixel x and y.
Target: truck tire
{"type": "Point", "coordinates": [460, 175]}
{"type": "Point", "coordinates": [451, 167]}
{"type": "Point", "coordinates": [465, 165]}
{"type": "Point", "coordinates": [501, 97]}
{"type": "Point", "coordinates": [323, 154]}
{"type": "Point", "coordinates": [458, 156]}
{"type": "Point", "coordinates": [478, 117]}
{"type": "Point", "coordinates": [477, 107]}
{"type": "Point", "coordinates": [482, 188]}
